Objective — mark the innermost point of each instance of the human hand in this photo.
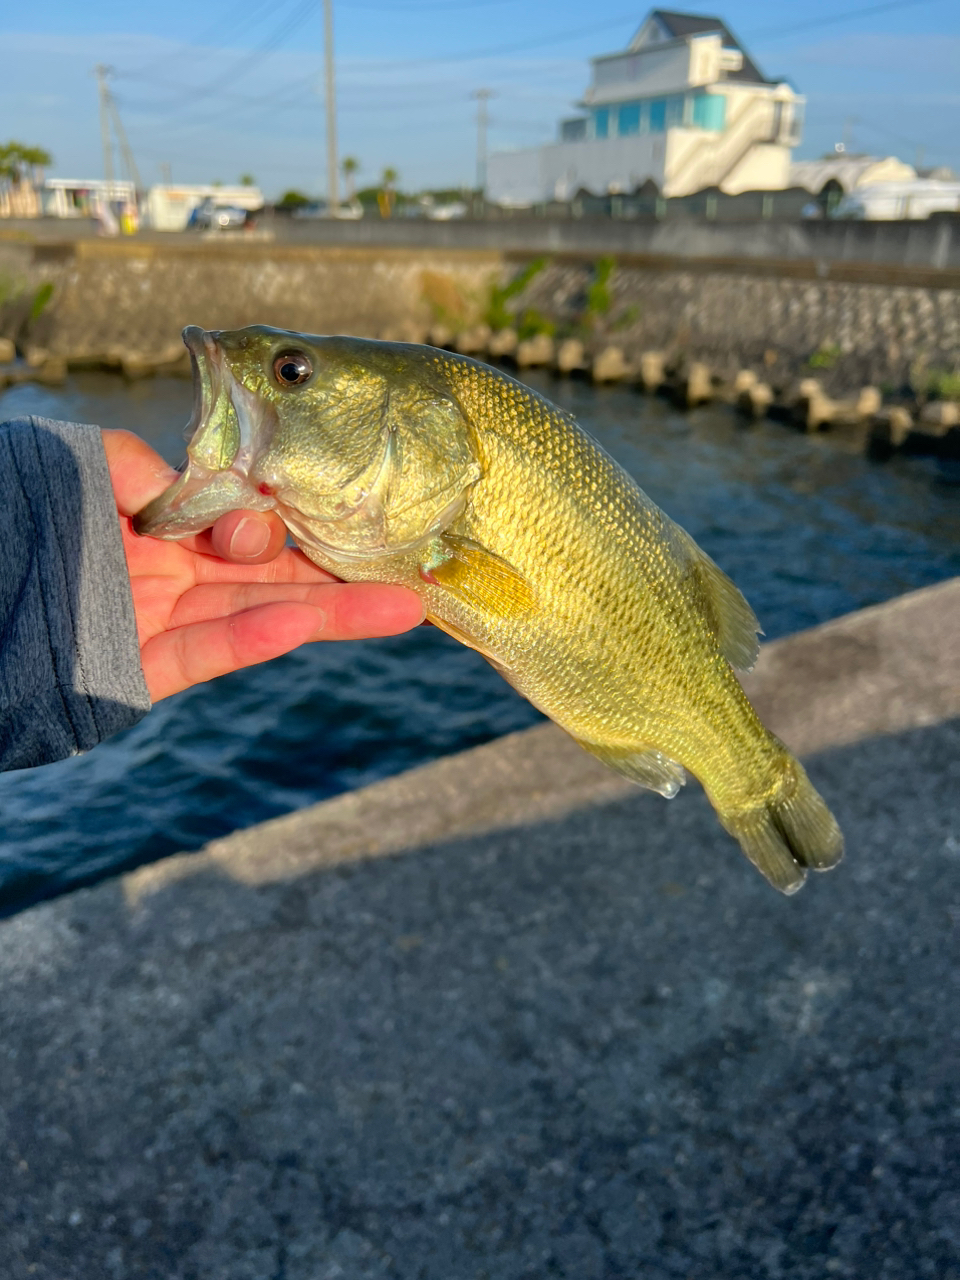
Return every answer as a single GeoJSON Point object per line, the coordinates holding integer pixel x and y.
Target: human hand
{"type": "Point", "coordinates": [235, 595]}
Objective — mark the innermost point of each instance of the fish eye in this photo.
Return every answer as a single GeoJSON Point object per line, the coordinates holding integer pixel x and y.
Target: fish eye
{"type": "Point", "coordinates": [292, 368]}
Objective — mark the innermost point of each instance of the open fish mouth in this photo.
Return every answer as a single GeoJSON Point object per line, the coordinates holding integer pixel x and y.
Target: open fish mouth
{"type": "Point", "coordinates": [229, 426]}
{"type": "Point", "coordinates": [205, 368]}
{"type": "Point", "coordinates": [215, 479]}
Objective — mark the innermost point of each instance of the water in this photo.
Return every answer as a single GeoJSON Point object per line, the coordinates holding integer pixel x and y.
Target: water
{"type": "Point", "coordinates": [809, 530]}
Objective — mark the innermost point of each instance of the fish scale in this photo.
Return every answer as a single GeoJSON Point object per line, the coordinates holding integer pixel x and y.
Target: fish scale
{"type": "Point", "coordinates": [525, 540]}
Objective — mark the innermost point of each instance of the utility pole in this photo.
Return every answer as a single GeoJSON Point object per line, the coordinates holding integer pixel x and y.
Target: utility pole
{"type": "Point", "coordinates": [482, 96]}
{"type": "Point", "coordinates": [101, 72]}
{"type": "Point", "coordinates": [332, 192]}
{"type": "Point", "coordinates": [128, 160]}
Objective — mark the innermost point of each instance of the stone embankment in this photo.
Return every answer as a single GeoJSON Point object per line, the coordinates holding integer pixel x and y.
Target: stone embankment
{"type": "Point", "coordinates": [866, 350]}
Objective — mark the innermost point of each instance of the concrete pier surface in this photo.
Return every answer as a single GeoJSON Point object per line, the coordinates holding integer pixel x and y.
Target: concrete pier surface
{"type": "Point", "coordinates": [504, 1017]}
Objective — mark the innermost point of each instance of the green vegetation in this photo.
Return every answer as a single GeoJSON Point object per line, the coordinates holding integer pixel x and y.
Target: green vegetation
{"type": "Point", "coordinates": [942, 384]}
{"type": "Point", "coordinates": [292, 200]}
{"type": "Point", "coordinates": [598, 294]}
{"type": "Point", "coordinates": [532, 322]}
{"type": "Point", "coordinates": [41, 300]}
{"type": "Point", "coordinates": [17, 161]}
{"type": "Point", "coordinates": [497, 314]}
{"type": "Point", "coordinates": [247, 180]}
{"type": "Point", "coordinates": [349, 165]}
{"type": "Point", "coordinates": [627, 317]}
{"type": "Point", "coordinates": [825, 357]}
{"type": "Point", "coordinates": [442, 295]}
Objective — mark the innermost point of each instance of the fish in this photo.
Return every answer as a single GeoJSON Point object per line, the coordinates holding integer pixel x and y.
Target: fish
{"type": "Point", "coordinates": [393, 462]}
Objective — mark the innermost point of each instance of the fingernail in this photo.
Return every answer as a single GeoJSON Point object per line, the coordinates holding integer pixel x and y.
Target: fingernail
{"type": "Point", "coordinates": [250, 538]}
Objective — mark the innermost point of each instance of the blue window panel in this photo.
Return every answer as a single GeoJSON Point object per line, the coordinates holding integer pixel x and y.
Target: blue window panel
{"type": "Point", "coordinates": [601, 122]}
{"type": "Point", "coordinates": [628, 118]}
{"type": "Point", "coordinates": [658, 115]}
{"type": "Point", "coordinates": [674, 111]}
{"type": "Point", "coordinates": [710, 111]}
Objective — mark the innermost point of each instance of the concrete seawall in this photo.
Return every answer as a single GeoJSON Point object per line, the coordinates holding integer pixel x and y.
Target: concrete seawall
{"type": "Point", "coordinates": [933, 244]}
{"type": "Point", "coordinates": [123, 304]}
{"type": "Point", "coordinates": [504, 1017]}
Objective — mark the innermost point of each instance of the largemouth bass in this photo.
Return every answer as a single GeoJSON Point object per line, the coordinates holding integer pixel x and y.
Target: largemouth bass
{"type": "Point", "coordinates": [397, 463]}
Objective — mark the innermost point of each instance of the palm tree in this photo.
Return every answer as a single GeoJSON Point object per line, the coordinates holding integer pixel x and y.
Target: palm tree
{"type": "Point", "coordinates": [387, 194]}
{"type": "Point", "coordinates": [16, 160]}
{"type": "Point", "coordinates": [21, 178]}
{"type": "Point", "coordinates": [350, 165]}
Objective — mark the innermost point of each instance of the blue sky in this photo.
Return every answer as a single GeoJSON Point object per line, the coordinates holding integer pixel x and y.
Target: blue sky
{"type": "Point", "coordinates": [233, 86]}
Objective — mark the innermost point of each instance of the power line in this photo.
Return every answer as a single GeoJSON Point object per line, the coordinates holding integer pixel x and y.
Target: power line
{"type": "Point", "coordinates": [429, 8]}
{"type": "Point", "coordinates": [195, 47]}
{"type": "Point", "coordinates": [264, 49]}
{"type": "Point", "coordinates": [832, 19]}
{"type": "Point", "coordinates": [521, 47]}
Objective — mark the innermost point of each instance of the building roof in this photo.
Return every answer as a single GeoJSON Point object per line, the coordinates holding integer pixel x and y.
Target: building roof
{"type": "Point", "coordinates": [679, 26]}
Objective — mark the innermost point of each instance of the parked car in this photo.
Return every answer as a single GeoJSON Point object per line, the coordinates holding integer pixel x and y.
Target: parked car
{"type": "Point", "coordinates": [349, 210]}
{"type": "Point", "coordinates": [892, 201]}
{"type": "Point", "coordinates": [216, 217]}
{"type": "Point", "coordinates": [447, 212]}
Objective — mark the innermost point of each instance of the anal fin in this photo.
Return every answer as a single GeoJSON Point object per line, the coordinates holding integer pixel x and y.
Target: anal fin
{"type": "Point", "coordinates": [645, 765]}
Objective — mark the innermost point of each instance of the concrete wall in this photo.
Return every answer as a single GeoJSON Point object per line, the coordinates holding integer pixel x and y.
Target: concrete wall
{"type": "Point", "coordinates": [115, 302]}
{"type": "Point", "coordinates": [859, 332]}
{"type": "Point", "coordinates": [117, 299]}
{"type": "Point", "coordinates": [931, 244]}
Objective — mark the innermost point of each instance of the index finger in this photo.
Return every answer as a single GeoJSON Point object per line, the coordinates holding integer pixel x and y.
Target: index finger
{"type": "Point", "coordinates": [137, 472]}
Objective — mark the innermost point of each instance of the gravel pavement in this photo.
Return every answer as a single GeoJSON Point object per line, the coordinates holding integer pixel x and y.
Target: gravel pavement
{"type": "Point", "coordinates": [587, 1042]}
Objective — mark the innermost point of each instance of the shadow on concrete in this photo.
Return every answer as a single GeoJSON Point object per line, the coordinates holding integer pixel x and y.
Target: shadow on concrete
{"type": "Point", "coordinates": [592, 1047]}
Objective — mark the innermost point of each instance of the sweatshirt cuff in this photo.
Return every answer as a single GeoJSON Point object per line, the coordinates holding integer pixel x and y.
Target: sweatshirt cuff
{"type": "Point", "coordinates": [70, 671]}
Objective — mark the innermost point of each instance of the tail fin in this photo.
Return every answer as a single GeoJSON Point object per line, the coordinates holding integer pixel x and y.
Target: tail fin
{"type": "Point", "coordinates": [790, 832]}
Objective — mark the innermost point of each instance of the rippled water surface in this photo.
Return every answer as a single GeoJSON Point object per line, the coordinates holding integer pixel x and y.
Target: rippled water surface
{"type": "Point", "coordinates": [807, 527]}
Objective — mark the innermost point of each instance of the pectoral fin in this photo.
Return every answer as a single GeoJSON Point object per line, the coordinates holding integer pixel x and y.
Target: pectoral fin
{"type": "Point", "coordinates": [648, 767]}
{"type": "Point", "coordinates": [478, 577]}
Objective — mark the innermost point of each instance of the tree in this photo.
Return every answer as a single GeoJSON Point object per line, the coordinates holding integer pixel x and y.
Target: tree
{"type": "Point", "coordinates": [292, 200]}
{"type": "Point", "coordinates": [387, 196]}
{"type": "Point", "coordinates": [17, 161]}
{"type": "Point", "coordinates": [350, 165]}
{"type": "Point", "coordinates": [247, 180]}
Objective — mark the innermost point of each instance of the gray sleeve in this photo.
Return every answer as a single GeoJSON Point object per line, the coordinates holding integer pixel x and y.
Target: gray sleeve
{"type": "Point", "coordinates": [69, 660]}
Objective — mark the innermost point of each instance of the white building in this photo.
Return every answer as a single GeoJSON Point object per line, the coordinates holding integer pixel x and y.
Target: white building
{"type": "Point", "coordinates": [168, 208]}
{"type": "Point", "coordinates": [896, 201]}
{"type": "Point", "coordinates": [684, 106]}
{"type": "Point", "coordinates": [842, 173]}
{"type": "Point", "coordinates": [81, 197]}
